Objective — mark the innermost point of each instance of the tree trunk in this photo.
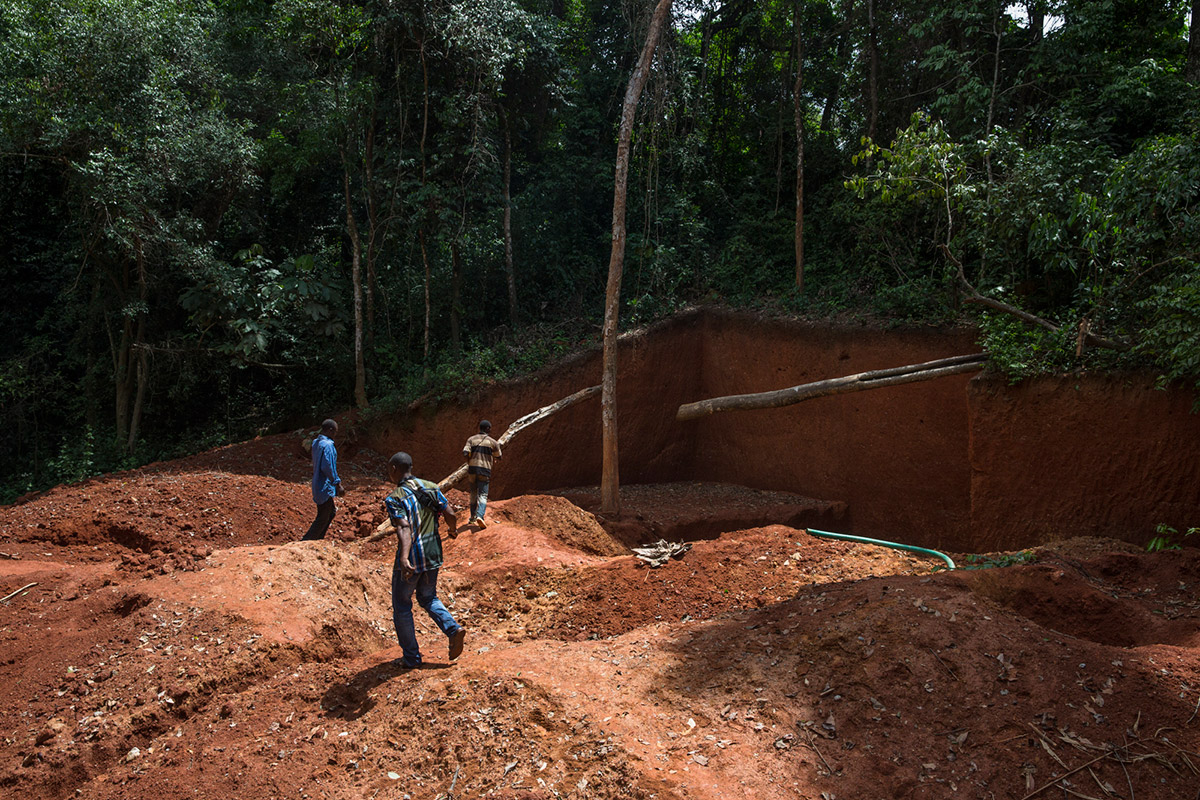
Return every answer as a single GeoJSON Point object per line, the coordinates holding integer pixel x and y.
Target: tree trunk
{"type": "Point", "coordinates": [455, 297]}
{"type": "Point", "coordinates": [610, 502]}
{"type": "Point", "coordinates": [798, 112]}
{"type": "Point", "coordinates": [421, 230]}
{"type": "Point", "coordinates": [872, 71]}
{"type": "Point", "coordinates": [373, 232]}
{"type": "Point", "coordinates": [1192, 71]}
{"type": "Point", "coordinates": [139, 399]}
{"type": "Point", "coordinates": [121, 384]}
{"type": "Point", "coordinates": [849, 383]}
{"type": "Point", "coordinates": [130, 368]}
{"type": "Point", "coordinates": [843, 45]}
{"type": "Point", "coordinates": [360, 371]}
{"type": "Point", "coordinates": [425, 261]}
{"type": "Point", "coordinates": [508, 248]}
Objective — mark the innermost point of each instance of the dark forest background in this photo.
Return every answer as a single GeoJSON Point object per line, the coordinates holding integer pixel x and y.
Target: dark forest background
{"type": "Point", "coordinates": [221, 217]}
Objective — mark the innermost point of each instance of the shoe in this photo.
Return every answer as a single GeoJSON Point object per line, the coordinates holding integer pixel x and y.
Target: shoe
{"type": "Point", "coordinates": [480, 523]}
{"type": "Point", "coordinates": [456, 643]}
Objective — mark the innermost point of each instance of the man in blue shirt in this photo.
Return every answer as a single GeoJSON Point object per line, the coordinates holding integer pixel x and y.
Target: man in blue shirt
{"type": "Point", "coordinates": [325, 481]}
{"type": "Point", "coordinates": [413, 508]}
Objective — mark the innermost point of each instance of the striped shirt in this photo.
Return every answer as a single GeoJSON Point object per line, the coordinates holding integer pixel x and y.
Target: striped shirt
{"type": "Point", "coordinates": [401, 504]}
{"type": "Point", "coordinates": [479, 450]}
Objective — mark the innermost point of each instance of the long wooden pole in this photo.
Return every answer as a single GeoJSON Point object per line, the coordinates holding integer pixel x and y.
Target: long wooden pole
{"type": "Point", "coordinates": [523, 423]}
{"type": "Point", "coordinates": [874, 379]}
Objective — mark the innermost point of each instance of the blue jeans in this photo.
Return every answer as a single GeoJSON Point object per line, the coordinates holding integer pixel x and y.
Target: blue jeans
{"type": "Point", "coordinates": [424, 585]}
{"type": "Point", "coordinates": [479, 492]}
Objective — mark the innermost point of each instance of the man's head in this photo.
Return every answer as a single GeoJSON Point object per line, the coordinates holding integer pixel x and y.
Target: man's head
{"type": "Point", "coordinates": [329, 428]}
{"type": "Point", "coordinates": [399, 466]}
{"type": "Point", "coordinates": [485, 426]}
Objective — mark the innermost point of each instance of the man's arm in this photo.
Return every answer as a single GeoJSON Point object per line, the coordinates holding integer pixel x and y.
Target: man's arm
{"type": "Point", "coordinates": [329, 465]}
{"type": "Point", "coordinates": [405, 532]}
{"type": "Point", "coordinates": [451, 521]}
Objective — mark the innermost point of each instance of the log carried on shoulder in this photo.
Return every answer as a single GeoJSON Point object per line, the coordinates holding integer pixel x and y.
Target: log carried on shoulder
{"type": "Point", "coordinates": [523, 423]}
{"type": "Point", "coordinates": [849, 383]}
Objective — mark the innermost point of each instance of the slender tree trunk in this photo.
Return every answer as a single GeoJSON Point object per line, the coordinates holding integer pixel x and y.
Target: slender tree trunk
{"type": "Point", "coordinates": [610, 501]}
{"type": "Point", "coordinates": [373, 232]}
{"type": "Point", "coordinates": [873, 71]}
{"type": "Point", "coordinates": [425, 261]}
{"type": "Point", "coordinates": [360, 371]}
{"type": "Point", "coordinates": [121, 357]}
{"type": "Point", "coordinates": [997, 27]}
{"type": "Point", "coordinates": [141, 375]}
{"type": "Point", "coordinates": [835, 91]}
{"type": "Point", "coordinates": [1192, 71]}
{"type": "Point", "coordinates": [139, 400]}
{"type": "Point", "coordinates": [455, 297]}
{"type": "Point", "coordinates": [421, 230]}
{"type": "Point", "coordinates": [130, 369]}
{"type": "Point", "coordinates": [1037, 20]}
{"type": "Point", "coordinates": [779, 137]}
{"type": "Point", "coordinates": [798, 112]}
{"type": "Point", "coordinates": [508, 248]}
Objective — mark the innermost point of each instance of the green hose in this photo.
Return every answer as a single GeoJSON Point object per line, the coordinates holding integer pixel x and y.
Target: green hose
{"type": "Point", "coordinates": [896, 545]}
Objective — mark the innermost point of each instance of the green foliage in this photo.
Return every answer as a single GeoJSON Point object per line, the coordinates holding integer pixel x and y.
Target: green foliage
{"type": "Point", "coordinates": [1167, 538]}
{"type": "Point", "coordinates": [176, 181]}
{"type": "Point", "coordinates": [251, 308]}
{"type": "Point", "coordinates": [1172, 338]}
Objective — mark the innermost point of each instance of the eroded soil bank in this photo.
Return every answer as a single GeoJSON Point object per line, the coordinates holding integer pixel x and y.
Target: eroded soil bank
{"type": "Point", "coordinates": [965, 463]}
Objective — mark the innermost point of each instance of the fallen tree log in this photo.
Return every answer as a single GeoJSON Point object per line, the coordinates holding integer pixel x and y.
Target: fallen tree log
{"type": "Point", "coordinates": [862, 381]}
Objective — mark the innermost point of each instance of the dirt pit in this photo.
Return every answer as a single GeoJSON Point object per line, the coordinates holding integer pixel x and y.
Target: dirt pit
{"type": "Point", "coordinates": [167, 636]}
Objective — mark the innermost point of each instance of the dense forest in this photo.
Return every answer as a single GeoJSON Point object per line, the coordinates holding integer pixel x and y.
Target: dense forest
{"type": "Point", "coordinates": [222, 215]}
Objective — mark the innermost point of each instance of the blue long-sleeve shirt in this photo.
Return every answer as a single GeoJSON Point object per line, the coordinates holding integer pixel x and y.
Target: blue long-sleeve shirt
{"type": "Point", "coordinates": [324, 460]}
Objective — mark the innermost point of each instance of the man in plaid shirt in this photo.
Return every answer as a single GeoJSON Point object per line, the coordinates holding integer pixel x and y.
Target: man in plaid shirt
{"type": "Point", "coordinates": [413, 508]}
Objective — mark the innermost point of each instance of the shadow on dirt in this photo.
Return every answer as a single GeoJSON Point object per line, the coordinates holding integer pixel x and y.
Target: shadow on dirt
{"type": "Point", "coordinates": [1082, 601]}
{"type": "Point", "coordinates": [351, 700]}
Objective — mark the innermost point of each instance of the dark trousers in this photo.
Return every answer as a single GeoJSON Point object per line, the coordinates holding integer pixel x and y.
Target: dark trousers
{"type": "Point", "coordinates": [325, 512]}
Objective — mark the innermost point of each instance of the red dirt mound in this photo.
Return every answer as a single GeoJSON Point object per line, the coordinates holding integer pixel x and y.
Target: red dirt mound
{"type": "Point", "coordinates": [232, 661]}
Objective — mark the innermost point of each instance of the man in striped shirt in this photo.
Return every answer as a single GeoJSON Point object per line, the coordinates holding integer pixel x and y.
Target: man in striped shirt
{"type": "Point", "coordinates": [413, 508]}
{"type": "Point", "coordinates": [480, 450]}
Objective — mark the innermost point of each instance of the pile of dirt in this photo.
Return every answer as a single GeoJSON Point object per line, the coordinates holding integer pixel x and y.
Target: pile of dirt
{"type": "Point", "coordinates": [226, 659]}
{"type": "Point", "coordinates": [564, 520]}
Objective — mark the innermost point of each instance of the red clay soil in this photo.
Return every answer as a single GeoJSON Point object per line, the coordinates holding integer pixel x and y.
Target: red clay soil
{"type": "Point", "coordinates": [178, 641]}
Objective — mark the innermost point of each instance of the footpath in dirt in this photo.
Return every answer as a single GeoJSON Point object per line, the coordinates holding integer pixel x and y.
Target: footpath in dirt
{"type": "Point", "coordinates": [163, 634]}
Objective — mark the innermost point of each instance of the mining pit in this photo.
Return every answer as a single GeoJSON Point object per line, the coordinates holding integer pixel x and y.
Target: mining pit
{"type": "Point", "coordinates": [163, 632]}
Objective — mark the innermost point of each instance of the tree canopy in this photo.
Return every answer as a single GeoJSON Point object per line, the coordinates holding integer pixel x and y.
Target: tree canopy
{"type": "Point", "coordinates": [223, 214]}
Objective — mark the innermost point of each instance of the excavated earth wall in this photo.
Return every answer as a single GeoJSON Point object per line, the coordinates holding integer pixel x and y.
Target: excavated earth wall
{"type": "Point", "coordinates": [962, 463]}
